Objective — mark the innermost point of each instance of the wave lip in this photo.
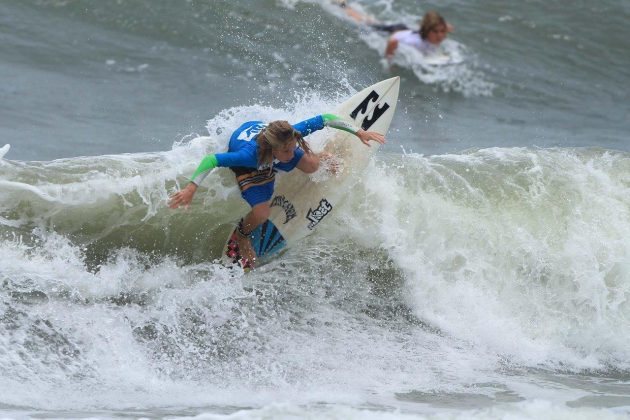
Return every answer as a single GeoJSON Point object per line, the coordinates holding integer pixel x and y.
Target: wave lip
{"type": "Point", "coordinates": [520, 251]}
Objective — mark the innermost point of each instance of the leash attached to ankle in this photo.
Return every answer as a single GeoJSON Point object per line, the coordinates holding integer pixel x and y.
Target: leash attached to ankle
{"type": "Point", "coordinates": [241, 232]}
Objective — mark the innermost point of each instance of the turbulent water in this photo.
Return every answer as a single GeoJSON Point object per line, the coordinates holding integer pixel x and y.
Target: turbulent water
{"type": "Point", "coordinates": [479, 268]}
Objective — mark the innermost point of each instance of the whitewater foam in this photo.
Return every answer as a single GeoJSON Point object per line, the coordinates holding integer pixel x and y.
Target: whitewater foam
{"type": "Point", "coordinates": [518, 251]}
{"type": "Point", "coordinates": [435, 277]}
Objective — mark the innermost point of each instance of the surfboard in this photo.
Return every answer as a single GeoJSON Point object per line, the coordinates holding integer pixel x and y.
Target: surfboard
{"type": "Point", "coordinates": [441, 59]}
{"type": "Point", "coordinates": [4, 150]}
{"type": "Point", "coordinates": [302, 202]}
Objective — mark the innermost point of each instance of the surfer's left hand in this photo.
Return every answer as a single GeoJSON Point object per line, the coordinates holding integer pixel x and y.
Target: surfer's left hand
{"type": "Point", "coordinates": [366, 136]}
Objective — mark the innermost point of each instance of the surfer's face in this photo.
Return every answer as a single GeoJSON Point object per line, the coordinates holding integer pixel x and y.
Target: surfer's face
{"type": "Point", "coordinates": [437, 35]}
{"type": "Point", "coordinates": [285, 153]}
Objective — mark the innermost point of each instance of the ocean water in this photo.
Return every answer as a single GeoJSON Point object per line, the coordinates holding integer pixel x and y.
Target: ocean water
{"type": "Point", "coordinates": [480, 267]}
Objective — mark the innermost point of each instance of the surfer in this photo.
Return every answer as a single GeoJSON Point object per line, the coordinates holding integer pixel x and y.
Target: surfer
{"type": "Point", "coordinates": [255, 153]}
{"type": "Point", "coordinates": [427, 39]}
{"type": "Point", "coordinates": [433, 30]}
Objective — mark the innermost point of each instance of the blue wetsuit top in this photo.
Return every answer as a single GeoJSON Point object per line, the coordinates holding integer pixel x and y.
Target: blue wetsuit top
{"type": "Point", "coordinates": [243, 148]}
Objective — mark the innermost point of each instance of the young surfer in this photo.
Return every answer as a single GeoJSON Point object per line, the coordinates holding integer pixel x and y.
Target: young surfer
{"type": "Point", "coordinates": [433, 30]}
{"type": "Point", "coordinates": [255, 153]}
{"type": "Point", "coordinates": [427, 39]}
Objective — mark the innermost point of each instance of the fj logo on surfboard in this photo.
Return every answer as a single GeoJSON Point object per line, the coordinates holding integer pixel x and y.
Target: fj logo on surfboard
{"type": "Point", "coordinates": [289, 210]}
{"type": "Point", "coordinates": [363, 107]}
{"type": "Point", "coordinates": [316, 216]}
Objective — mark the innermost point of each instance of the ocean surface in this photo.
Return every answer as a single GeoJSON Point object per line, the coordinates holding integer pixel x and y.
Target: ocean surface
{"type": "Point", "coordinates": [479, 268]}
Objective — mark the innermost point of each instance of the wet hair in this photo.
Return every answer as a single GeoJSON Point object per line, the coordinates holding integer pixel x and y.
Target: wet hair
{"type": "Point", "coordinates": [275, 136]}
{"type": "Point", "coordinates": [430, 22]}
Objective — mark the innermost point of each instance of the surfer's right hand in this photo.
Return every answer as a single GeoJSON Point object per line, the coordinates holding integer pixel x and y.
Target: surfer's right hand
{"type": "Point", "coordinates": [183, 197]}
{"type": "Point", "coordinates": [366, 136]}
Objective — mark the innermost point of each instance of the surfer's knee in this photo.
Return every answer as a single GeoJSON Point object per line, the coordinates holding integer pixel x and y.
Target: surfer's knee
{"type": "Point", "coordinates": [261, 211]}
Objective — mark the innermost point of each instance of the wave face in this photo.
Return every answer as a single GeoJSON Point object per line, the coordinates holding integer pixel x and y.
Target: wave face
{"type": "Point", "coordinates": [510, 257]}
{"type": "Point", "coordinates": [522, 251]}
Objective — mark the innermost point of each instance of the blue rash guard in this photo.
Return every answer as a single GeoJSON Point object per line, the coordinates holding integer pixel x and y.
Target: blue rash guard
{"type": "Point", "coordinates": [243, 148]}
{"type": "Point", "coordinates": [257, 181]}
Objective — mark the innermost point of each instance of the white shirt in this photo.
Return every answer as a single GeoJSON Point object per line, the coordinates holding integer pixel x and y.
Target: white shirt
{"type": "Point", "coordinates": [409, 37]}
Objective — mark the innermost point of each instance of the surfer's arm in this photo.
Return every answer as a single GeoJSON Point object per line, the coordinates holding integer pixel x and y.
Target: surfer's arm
{"type": "Point", "coordinates": [185, 196]}
{"type": "Point", "coordinates": [208, 163]}
{"type": "Point", "coordinates": [317, 123]}
{"type": "Point", "coordinates": [392, 45]}
{"type": "Point", "coordinates": [243, 157]}
{"type": "Point", "coordinates": [309, 162]}
{"type": "Point", "coordinates": [334, 121]}
{"type": "Point", "coordinates": [306, 127]}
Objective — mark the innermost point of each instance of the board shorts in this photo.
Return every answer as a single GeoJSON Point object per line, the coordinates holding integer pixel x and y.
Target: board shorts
{"type": "Point", "coordinates": [258, 194]}
{"type": "Point", "coordinates": [256, 185]}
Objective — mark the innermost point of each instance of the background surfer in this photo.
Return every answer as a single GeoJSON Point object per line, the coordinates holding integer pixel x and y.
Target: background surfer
{"type": "Point", "coordinates": [433, 31]}
{"type": "Point", "coordinates": [256, 152]}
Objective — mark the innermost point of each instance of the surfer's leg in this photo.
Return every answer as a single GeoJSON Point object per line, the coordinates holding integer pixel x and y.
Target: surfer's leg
{"type": "Point", "coordinates": [354, 13]}
{"type": "Point", "coordinates": [259, 198]}
{"type": "Point", "coordinates": [258, 214]}
{"type": "Point", "coordinates": [389, 28]}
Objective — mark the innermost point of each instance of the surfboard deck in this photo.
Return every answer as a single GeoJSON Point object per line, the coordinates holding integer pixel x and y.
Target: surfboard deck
{"type": "Point", "coordinates": [302, 201]}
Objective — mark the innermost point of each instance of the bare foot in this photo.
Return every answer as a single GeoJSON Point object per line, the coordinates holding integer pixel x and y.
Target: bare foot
{"type": "Point", "coordinates": [245, 249]}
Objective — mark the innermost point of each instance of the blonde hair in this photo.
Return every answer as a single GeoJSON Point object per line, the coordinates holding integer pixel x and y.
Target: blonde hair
{"type": "Point", "coordinates": [275, 136]}
{"type": "Point", "coordinates": [430, 22]}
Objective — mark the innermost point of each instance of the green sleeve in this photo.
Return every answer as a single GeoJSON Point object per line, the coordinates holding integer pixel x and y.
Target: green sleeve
{"type": "Point", "coordinates": [207, 164]}
{"type": "Point", "coordinates": [332, 120]}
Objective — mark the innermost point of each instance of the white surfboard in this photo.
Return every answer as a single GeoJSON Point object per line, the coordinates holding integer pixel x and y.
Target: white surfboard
{"type": "Point", "coordinates": [4, 150]}
{"type": "Point", "coordinates": [441, 59]}
{"type": "Point", "coordinates": [301, 202]}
